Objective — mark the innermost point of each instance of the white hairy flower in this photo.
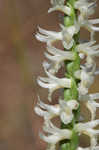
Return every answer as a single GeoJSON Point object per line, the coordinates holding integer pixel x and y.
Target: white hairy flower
{"type": "Point", "coordinates": [66, 35]}
{"type": "Point", "coordinates": [87, 78]}
{"type": "Point", "coordinates": [86, 8]}
{"type": "Point", "coordinates": [57, 57]}
{"type": "Point", "coordinates": [88, 129]}
{"type": "Point", "coordinates": [53, 83]}
{"type": "Point", "coordinates": [88, 48]}
{"type": "Point", "coordinates": [59, 5]}
{"type": "Point", "coordinates": [90, 103]}
{"type": "Point", "coordinates": [66, 109]}
{"type": "Point", "coordinates": [63, 109]}
{"type": "Point", "coordinates": [89, 25]}
{"type": "Point", "coordinates": [47, 111]}
{"type": "Point", "coordinates": [55, 134]}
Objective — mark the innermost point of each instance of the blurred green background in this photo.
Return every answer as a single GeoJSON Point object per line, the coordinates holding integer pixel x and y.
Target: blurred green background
{"type": "Point", "coordinates": [21, 57]}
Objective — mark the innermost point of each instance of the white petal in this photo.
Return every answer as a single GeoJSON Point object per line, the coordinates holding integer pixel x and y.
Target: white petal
{"type": "Point", "coordinates": [53, 139]}
{"type": "Point", "coordinates": [94, 96]}
{"type": "Point", "coordinates": [41, 38]}
{"type": "Point", "coordinates": [68, 45]}
{"type": "Point", "coordinates": [66, 117]}
{"type": "Point", "coordinates": [94, 21]}
{"type": "Point", "coordinates": [92, 109]}
{"type": "Point", "coordinates": [61, 8]}
{"type": "Point", "coordinates": [73, 104]}
{"type": "Point", "coordinates": [39, 111]}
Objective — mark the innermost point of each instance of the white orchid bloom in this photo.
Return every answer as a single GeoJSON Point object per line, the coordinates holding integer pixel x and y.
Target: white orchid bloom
{"type": "Point", "coordinates": [55, 134]}
{"type": "Point", "coordinates": [87, 128]}
{"type": "Point", "coordinates": [89, 25]}
{"type": "Point", "coordinates": [88, 48]}
{"type": "Point", "coordinates": [57, 57]}
{"type": "Point", "coordinates": [59, 5]}
{"type": "Point", "coordinates": [63, 109]}
{"type": "Point", "coordinates": [89, 97]}
{"type": "Point", "coordinates": [53, 83]}
{"type": "Point", "coordinates": [86, 8]}
{"type": "Point", "coordinates": [66, 35]}
{"type": "Point", "coordinates": [92, 105]}
{"type": "Point", "coordinates": [47, 111]}
{"type": "Point", "coordinates": [66, 109]}
{"type": "Point", "coordinates": [87, 78]}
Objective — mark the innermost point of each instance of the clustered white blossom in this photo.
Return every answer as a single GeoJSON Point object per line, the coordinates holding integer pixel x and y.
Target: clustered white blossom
{"type": "Point", "coordinates": [86, 74]}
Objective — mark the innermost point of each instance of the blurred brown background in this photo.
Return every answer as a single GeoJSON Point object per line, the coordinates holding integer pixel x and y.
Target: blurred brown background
{"type": "Point", "coordinates": [21, 56]}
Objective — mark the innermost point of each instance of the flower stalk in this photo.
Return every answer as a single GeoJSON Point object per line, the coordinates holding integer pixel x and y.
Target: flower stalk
{"type": "Point", "coordinates": [77, 79]}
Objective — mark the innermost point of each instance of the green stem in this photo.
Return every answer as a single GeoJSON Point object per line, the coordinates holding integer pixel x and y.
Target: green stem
{"type": "Point", "coordinates": [72, 93]}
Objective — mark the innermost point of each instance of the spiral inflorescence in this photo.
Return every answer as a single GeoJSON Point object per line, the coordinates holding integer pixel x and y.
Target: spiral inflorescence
{"type": "Point", "coordinates": [77, 79]}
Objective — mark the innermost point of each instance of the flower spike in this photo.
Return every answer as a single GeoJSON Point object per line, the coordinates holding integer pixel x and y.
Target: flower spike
{"type": "Point", "coordinates": [78, 78]}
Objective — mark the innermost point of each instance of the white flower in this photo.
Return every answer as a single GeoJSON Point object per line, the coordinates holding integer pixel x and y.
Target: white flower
{"type": "Point", "coordinates": [59, 5]}
{"type": "Point", "coordinates": [89, 97]}
{"type": "Point", "coordinates": [66, 35]}
{"type": "Point", "coordinates": [92, 105]}
{"type": "Point", "coordinates": [66, 108]}
{"type": "Point", "coordinates": [55, 134]}
{"type": "Point", "coordinates": [87, 78]}
{"type": "Point", "coordinates": [63, 109]}
{"type": "Point", "coordinates": [86, 8]}
{"type": "Point", "coordinates": [46, 111]}
{"type": "Point", "coordinates": [88, 24]}
{"type": "Point", "coordinates": [88, 48]}
{"type": "Point", "coordinates": [53, 83]}
{"type": "Point", "coordinates": [57, 57]}
{"type": "Point", "coordinates": [87, 128]}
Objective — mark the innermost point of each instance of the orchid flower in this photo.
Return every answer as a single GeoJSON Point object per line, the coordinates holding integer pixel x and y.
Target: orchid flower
{"type": "Point", "coordinates": [57, 57]}
{"type": "Point", "coordinates": [63, 109]}
{"type": "Point", "coordinates": [53, 83]}
{"type": "Point", "coordinates": [65, 35]}
{"type": "Point", "coordinates": [55, 134]}
{"type": "Point", "coordinates": [59, 5]}
{"type": "Point", "coordinates": [87, 128]}
{"type": "Point", "coordinates": [90, 102]}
